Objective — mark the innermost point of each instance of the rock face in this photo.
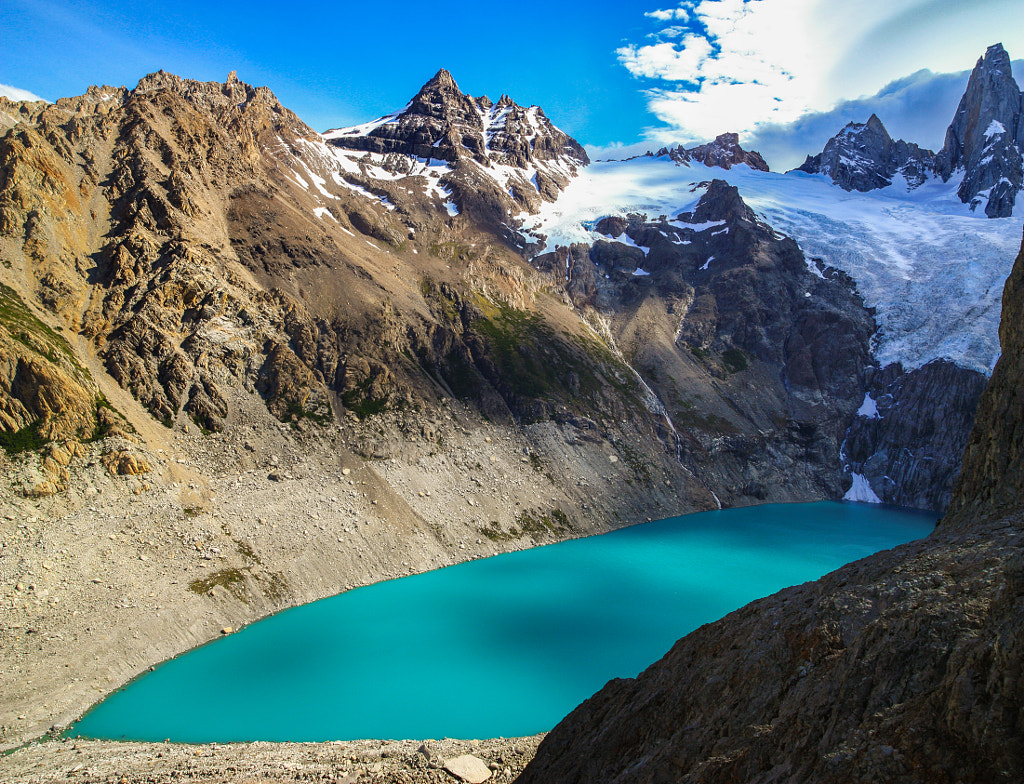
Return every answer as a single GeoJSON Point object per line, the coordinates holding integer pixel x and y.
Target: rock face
{"type": "Point", "coordinates": [212, 249]}
{"type": "Point", "coordinates": [724, 152]}
{"type": "Point", "coordinates": [986, 138]}
{"type": "Point", "coordinates": [863, 157]}
{"type": "Point", "coordinates": [902, 667]}
{"type": "Point", "coordinates": [758, 362]}
{"type": "Point", "coordinates": [501, 157]}
{"type": "Point", "coordinates": [910, 432]}
{"type": "Point", "coordinates": [443, 123]}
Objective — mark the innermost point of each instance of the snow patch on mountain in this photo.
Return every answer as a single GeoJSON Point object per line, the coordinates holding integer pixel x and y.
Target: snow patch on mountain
{"type": "Point", "coordinates": [861, 491]}
{"type": "Point", "coordinates": [869, 408]}
{"type": "Point", "coordinates": [933, 269]}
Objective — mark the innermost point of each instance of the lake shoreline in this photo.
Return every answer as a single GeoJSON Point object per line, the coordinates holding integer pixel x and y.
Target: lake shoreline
{"type": "Point", "coordinates": [530, 629]}
{"type": "Point", "coordinates": [410, 761]}
{"type": "Point", "coordinates": [121, 573]}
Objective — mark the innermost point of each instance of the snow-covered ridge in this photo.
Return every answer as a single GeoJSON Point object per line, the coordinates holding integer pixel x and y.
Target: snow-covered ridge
{"type": "Point", "coordinates": [932, 268]}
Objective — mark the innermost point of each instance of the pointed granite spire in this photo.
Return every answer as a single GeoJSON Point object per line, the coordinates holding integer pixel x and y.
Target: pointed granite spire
{"type": "Point", "coordinates": [986, 136]}
{"type": "Point", "coordinates": [441, 83]}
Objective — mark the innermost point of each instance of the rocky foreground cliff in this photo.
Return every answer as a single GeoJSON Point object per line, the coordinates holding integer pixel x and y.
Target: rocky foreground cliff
{"type": "Point", "coordinates": [902, 667]}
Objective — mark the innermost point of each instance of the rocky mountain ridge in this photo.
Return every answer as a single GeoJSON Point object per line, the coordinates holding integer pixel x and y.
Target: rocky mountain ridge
{"type": "Point", "coordinates": [725, 152]}
{"type": "Point", "coordinates": [497, 159]}
{"type": "Point", "coordinates": [986, 138]}
{"type": "Point", "coordinates": [983, 146]}
{"type": "Point", "coordinates": [728, 325]}
{"type": "Point", "coordinates": [864, 157]}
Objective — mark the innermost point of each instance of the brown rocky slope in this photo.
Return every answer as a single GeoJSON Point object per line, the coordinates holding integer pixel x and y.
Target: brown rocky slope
{"type": "Point", "coordinates": [902, 667]}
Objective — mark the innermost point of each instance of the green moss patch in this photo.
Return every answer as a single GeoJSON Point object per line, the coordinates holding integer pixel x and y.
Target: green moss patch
{"type": "Point", "coordinates": [32, 333]}
{"type": "Point", "coordinates": [735, 361]}
{"type": "Point", "coordinates": [531, 522]}
{"type": "Point", "coordinates": [24, 440]}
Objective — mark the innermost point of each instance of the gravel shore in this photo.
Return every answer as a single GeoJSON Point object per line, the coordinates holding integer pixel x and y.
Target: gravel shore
{"type": "Point", "coordinates": [340, 762]}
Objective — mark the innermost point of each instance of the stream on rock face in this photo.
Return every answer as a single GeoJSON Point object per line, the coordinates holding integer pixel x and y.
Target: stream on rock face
{"type": "Point", "coordinates": [502, 646]}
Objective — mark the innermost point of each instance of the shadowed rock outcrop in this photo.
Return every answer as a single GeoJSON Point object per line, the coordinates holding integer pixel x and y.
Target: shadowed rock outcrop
{"type": "Point", "coordinates": [983, 144]}
{"type": "Point", "coordinates": [909, 435]}
{"type": "Point", "coordinates": [724, 152]}
{"type": "Point", "coordinates": [992, 480]}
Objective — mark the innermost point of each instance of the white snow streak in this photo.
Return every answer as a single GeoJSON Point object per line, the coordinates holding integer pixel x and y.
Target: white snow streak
{"type": "Point", "coordinates": [869, 408]}
{"type": "Point", "coordinates": [861, 491]}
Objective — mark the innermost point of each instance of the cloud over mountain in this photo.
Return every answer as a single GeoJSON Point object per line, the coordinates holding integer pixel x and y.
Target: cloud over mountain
{"type": "Point", "coordinates": [742, 65]}
{"type": "Point", "coordinates": [17, 94]}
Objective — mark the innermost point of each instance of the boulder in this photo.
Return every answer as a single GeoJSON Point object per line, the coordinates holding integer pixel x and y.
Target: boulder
{"type": "Point", "coordinates": [468, 768]}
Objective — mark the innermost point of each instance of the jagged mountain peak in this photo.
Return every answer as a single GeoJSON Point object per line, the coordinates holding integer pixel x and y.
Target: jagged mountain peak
{"type": "Point", "coordinates": [996, 59]}
{"type": "Point", "coordinates": [725, 152]}
{"type": "Point", "coordinates": [441, 97]}
{"type": "Point", "coordinates": [442, 79]}
{"type": "Point", "coordinates": [225, 100]}
{"type": "Point", "coordinates": [863, 157]}
{"type": "Point", "coordinates": [986, 137]}
{"type": "Point", "coordinates": [983, 143]}
{"type": "Point", "coordinates": [722, 202]}
{"type": "Point", "coordinates": [494, 153]}
{"type": "Point", "coordinates": [443, 123]}
{"type": "Point", "coordinates": [875, 125]}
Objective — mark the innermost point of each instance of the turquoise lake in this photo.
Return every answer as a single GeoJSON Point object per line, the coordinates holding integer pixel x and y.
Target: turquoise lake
{"type": "Point", "coordinates": [502, 646]}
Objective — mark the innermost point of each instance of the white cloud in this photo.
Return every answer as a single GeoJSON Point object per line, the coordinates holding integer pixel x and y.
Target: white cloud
{"type": "Point", "coordinates": [667, 15]}
{"type": "Point", "coordinates": [669, 32]}
{"type": "Point", "coordinates": [680, 62]}
{"type": "Point", "coordinates": [617, 151]}
{"type": "Point", "coordinates": [743, 64]}
{"type": "Point", "coordinates": [17, 94]}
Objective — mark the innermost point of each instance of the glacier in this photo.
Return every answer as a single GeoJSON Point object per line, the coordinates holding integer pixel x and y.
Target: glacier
{"type": "Point", "coordinates": [932, 269]}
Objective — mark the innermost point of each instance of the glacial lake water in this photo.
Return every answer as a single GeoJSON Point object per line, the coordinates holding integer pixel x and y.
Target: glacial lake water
{"type": "Point", "coordinates": [502, 646]}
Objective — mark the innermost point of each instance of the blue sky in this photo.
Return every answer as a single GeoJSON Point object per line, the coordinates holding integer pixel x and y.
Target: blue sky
{"type": "Point", "coordinates": [620, 76]}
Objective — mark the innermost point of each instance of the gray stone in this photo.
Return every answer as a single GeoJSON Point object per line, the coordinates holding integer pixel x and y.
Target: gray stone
{"type": "Point", "coordinates": [724, 152]}
{"type": "Point", "coordinates": [468, 768]}
{"type": "Point", "coordinates": [863, 157]}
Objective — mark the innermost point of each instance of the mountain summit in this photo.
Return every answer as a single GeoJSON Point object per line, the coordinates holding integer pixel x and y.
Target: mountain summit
{"type": "Point", "coordinates": [443, 123]}
{"type": "Point", "coordinates": [491, 160]}
{"type": "Point", "coordinates": [724, 152]}
{"type": "Point", "coordinates": [986, 137]}
{"type": "Point", "coordinates": [863, 157]}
